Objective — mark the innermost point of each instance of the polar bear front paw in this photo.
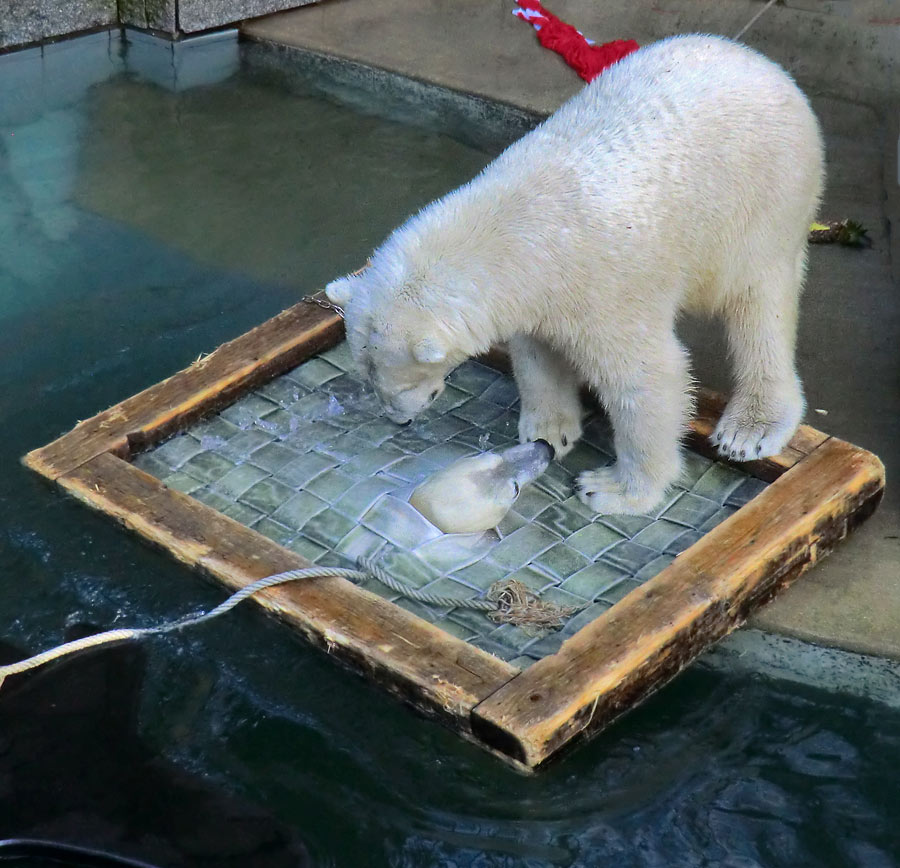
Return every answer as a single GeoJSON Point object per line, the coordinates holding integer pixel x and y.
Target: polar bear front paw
{"type": "Point", "coordinates": [605, 493]}
{"type": "Point", "coordinates": [747, 432]}
{"type": "Point", "coordinates": [560, 427]}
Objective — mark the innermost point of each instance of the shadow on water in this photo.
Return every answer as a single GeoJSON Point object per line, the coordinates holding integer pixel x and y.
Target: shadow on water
{"type": "Point", "coordinates": [142, 224]}
{"type": "Point", "coordinates": [73, 768]}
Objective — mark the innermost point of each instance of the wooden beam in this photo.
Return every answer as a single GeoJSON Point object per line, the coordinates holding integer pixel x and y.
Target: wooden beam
{"type": "Point", "coordinates": [210, 383]}
{"type": "Point", "coordinates": [646, 638]}
{"type": "Point", "coordinates": [437, 673]}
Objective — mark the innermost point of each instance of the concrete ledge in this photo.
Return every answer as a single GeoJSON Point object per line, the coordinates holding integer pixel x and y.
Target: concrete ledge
{"type": "Point", "coordinates": [478, 46]}
{"type": "Point", "coordinates": [482, 123]}
{"type": "Point", "coordinates": [787, 659]}
{"type": "Point", "coordinates": [195, 15]}
{"type": "Point", "coordinates": [33, 21]}
{"type": "Point", "coordinates": [191, 16]}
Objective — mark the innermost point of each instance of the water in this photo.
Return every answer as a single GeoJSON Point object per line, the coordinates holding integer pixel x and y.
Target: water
{"type": "Point", "coordinates": [146, 216]}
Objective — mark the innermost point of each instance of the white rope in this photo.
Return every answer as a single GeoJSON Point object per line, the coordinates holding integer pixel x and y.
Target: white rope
{"type": "Point", "coordinates": [140, 632]}
{"type": "Point", "coordinates": [501, 604]}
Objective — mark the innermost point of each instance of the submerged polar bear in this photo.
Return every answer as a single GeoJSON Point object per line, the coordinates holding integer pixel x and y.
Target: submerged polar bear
{"type": "Point", "coordinates": [684, 177]}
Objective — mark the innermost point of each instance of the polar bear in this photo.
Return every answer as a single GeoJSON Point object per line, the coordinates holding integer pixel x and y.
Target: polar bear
{"type": "Point", "coordinates": [684, 177]}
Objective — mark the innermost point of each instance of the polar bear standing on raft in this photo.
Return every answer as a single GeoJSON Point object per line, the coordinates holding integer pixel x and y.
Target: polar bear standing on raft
{"type": "Point", "coordinates": [684, 177]}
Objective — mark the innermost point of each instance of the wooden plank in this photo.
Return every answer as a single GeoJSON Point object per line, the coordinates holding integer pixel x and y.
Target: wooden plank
{"type": "Point", "coordinates": [650, 635]}
{"type": "Point", "coordinates": [212, 382]}
{"type": "Point", "coordinates": [430, 669]}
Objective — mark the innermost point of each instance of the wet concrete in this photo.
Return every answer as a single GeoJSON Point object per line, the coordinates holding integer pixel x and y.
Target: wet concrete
{"type": "Point", "coordinates": [849, 345]}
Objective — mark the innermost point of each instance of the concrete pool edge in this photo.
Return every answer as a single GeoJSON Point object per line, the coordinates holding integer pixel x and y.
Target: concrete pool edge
{"type": "Point", "coordinates": [474, 119]}
{"type": "Point", "coordinates": [430, 93]}
{"type": "Point", "coordinates": [40, 23]}
{"type": "Point", "coordinates": [790, 659]}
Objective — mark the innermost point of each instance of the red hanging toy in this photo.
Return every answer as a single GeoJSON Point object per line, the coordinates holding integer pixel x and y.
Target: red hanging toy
{"type": "Point", "coordinates": [584, 56]}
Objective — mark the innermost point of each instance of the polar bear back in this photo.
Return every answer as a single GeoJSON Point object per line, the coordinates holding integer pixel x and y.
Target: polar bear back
{"type": "Point", "coordinates": [688, 146]}
{"type": "Point", "coordinates": [669, 118]}
{"type": "Point", "coordinates": [675, 179]}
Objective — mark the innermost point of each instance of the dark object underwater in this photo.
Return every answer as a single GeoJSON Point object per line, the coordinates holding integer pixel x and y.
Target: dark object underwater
{"type": "Point", "coordinates": [75, 769]}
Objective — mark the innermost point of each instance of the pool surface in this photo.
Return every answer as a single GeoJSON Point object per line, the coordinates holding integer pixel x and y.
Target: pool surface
{"type": "Point", "coordinates": [151, 210]}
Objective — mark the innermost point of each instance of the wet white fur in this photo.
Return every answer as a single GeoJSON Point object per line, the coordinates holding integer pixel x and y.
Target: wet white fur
{"type": "Point", "coordinates": [686, 176]}
{"type": "Point", "coordinates": [468, 496]}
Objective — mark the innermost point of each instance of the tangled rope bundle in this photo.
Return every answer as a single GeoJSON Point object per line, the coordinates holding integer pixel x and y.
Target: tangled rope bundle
{"type": "Point", "coordinates": [584, 56]}
{"type": "Point", "coordinates": [517, 604]}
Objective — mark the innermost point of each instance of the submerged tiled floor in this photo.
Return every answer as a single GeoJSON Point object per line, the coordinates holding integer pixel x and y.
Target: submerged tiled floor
{"type": "Point", "coordinates": [309, 461]}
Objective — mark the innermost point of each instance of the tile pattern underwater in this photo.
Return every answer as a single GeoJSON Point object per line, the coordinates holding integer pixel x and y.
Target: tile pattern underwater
{"type": "Point", "coordinates": [309, 461]}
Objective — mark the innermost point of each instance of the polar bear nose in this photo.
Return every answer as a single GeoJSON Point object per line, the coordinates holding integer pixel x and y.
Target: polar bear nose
{"type": "Point", "coordinates": [396, 416]}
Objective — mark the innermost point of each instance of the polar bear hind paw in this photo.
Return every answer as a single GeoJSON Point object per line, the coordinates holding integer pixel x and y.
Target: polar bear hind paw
{"type": "Point", "coordinates": [606, 494]}
{"type": "Point", "coordinates": [560, 428]}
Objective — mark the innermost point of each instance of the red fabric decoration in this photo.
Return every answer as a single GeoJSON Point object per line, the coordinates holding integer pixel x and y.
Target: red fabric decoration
{"type": "Point", "coordinates": [582, 54]}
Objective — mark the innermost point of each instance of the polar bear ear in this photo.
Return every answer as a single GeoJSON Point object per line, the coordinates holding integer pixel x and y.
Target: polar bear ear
{"type": "Point", "coordinates": [428, 351]}
{"type": "Point", "coordinates": [340, 291]}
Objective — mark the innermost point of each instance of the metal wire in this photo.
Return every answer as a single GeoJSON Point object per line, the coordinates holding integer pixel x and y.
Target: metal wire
{"type": "Point", "coordinates": [754, 19]}
{"type": "Point", "coordinates": [323, 302]}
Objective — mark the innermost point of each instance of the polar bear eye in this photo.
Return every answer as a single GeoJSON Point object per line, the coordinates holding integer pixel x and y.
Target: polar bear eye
{"type": "Point", "coordinates": [433, 395]}
{"type": "Point", "coordinates": [515, 489]}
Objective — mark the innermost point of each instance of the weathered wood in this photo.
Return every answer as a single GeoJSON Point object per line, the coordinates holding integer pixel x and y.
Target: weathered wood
{"type": "Point", "coordinates": [430, 669]}
{"type": "Point", "coordinates": [646, 638]}
{"type": "Point", "coordinates": [210, 383]}
{"type": "Point", "coordinates": [823, 488]}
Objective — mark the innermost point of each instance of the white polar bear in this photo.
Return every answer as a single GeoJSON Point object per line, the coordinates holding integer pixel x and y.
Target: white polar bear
{"type": "Point", "coordinates": [685, 176]}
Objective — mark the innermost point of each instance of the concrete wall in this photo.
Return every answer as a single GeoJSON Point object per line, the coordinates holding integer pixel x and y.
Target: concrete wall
{"type": "Point", "coordinates": [194, 15]}
{"type": "Point", "coordinates": [159, 15]}
{"type": "Point", "coordinates": [27, 21]}
{"type": "Point", "coordinates": [24, 21]}
{"type": "Point", "coordinates": [190, 16]}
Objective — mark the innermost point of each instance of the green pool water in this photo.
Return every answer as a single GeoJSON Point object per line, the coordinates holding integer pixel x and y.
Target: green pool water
{"type": "Point", "coordinates": [153, 204]}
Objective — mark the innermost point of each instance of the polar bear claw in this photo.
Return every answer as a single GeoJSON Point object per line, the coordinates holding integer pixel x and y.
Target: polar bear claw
{"type": "Point", "coordinates": [559, 426]}
{"type": "Point", "coordinates": [747, 433]}
{"type": "Point", "coordinates": [607, 494]}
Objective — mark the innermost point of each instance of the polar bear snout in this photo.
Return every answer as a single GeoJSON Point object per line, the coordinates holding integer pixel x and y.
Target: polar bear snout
{"type": "Point", "coordinates": [402, 406]}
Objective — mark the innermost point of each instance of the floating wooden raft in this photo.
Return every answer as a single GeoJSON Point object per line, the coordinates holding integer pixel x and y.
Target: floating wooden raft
{"type": "Point", "coordinates": [821, 487]}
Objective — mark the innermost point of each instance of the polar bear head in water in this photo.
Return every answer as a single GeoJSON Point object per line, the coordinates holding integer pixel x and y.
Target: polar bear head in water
{"type": "Point", "coordinates": [473, 494]}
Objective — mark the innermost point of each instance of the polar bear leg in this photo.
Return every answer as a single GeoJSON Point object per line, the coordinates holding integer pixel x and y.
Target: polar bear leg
{"type": "Point", "coordinates": [768, 403]}
{"type": "Point", "coordinates": [548, 389]}
{"type": "Point", "coordinates": [648, 401]}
